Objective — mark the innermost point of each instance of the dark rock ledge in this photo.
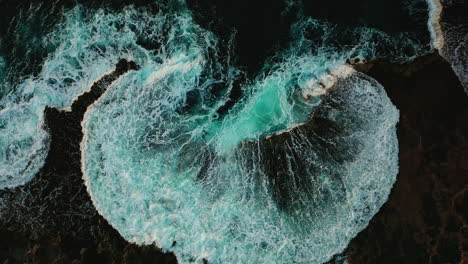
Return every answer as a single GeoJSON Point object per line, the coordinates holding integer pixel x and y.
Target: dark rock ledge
{"type": "Point", "coordinates": [425, 218]}
{"type": "Point", "coordinates": [52, 220]}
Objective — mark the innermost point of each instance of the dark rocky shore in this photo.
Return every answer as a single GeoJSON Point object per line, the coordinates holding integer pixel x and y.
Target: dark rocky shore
{"type": "Point", "coordinates": [425, 218]}
{"type": "Point", "coordinates": [52, 220]}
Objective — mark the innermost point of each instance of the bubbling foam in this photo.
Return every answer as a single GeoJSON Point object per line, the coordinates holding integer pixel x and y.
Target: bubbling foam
{"type": "Point", "coordinates": [164, 178]}
{"type": "Point", "coordinates": [291, 173]}
{"type": "Point", "coordinates": [88, 45]}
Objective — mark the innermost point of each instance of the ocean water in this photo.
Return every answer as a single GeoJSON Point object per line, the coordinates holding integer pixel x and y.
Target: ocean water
{"type": "Point", "coordinates": [289, 173]}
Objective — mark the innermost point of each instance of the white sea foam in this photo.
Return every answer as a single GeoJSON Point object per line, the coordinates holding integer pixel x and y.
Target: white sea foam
{"type": "Point", "coordinates": [159, 174]}
{"type": "Point", "coordinates": [325, 82]}
{"type": "Point", "coordinates": [79, 59]}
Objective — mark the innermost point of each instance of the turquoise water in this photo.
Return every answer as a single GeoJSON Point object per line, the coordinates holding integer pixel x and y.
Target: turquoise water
{"type": "Point", "coordinates": [200, 186]}
{"type": "Point", "coordinates": [290, 174]}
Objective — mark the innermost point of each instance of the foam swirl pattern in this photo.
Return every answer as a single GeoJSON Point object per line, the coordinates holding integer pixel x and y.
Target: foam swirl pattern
{"type": "Point", "coordinates": [290, 175]}
{"type": "Point", "coordinates": [296, 197]}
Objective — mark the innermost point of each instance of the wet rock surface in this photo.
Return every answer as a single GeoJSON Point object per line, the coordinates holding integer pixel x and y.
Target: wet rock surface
{"type": "Point", "coordinates": [424, 220]}
{"type": "Point", "coordinates": [52, 220]}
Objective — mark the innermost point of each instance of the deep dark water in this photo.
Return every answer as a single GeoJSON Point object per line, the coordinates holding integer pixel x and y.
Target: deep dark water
{"type": "Point", "coordinates": [262, 27]}
{"type": "Point", "coordinates": [258, 28]}
{"type": "Point", "coordinates": [421, 223]}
